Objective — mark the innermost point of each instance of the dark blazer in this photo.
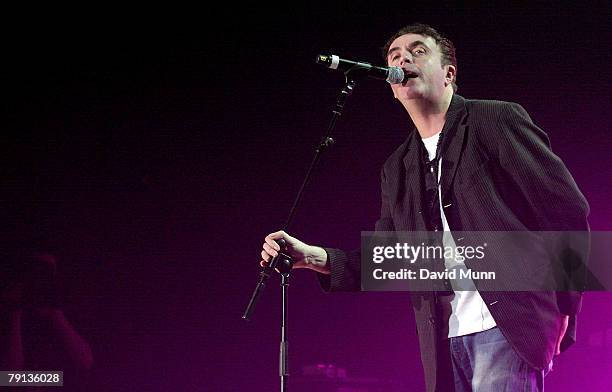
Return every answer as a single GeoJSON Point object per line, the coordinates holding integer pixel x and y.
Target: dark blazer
{"type": "Point", "coordinates": [498, 174]}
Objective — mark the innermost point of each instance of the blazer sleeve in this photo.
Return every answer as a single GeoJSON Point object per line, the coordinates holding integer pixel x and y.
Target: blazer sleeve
{"type": "Point", "coordinates": [543, 181]}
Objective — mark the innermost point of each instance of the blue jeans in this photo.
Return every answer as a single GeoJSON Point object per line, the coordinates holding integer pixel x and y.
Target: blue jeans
{"type": "Point", "coordinates": [485, 362]}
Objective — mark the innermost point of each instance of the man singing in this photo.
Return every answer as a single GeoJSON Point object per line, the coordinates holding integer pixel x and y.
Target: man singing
{"type": "Point", "coordinates": [493, 170]}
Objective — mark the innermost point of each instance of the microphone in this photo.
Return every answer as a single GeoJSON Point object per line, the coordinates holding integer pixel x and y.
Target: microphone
{"type": "Point", "coordinates": [393, 75]}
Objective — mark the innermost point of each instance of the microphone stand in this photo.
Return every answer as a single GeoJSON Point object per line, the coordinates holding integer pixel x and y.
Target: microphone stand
{"type": "Point", "coordinates": [283, 262]}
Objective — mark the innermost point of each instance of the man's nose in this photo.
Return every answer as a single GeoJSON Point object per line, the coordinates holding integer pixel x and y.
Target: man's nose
{"type": "Point", "coordinates": [405, 58]}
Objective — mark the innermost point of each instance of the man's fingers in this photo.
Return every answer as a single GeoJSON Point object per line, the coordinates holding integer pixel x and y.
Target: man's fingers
{"type": "Point", "coordinates": [269, 250]}
{"type": "Point", "coordinates": [272, 243]}
{"type": "Point", "coordinates": [271, 247]}
{"type": "Point", "coordinates": [562, 331]}
{"type": "Point", "coordinates": [558, 345]}
{"type": "Point", "coordinates": [265, 256]}
{"type": "Point", "coordinates": [278, 235]}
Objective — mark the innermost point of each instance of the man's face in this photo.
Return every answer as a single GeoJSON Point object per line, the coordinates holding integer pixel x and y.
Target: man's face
{"type": "Point", "coordinates": [419, 55]}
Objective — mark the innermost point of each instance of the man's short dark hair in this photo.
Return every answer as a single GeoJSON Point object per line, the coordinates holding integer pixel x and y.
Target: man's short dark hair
{"type": "Point", "coordinates": [447, 48]}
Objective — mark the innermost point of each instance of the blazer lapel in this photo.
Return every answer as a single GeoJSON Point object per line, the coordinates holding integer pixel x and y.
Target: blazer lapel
{"type": "Point", "coordinates": [451, 153]}
{"type": "Point", "coordinates": [453, 144]}
{"type": "Point", "coordinates": [412, 183]}
{"type": "Point", "coordinates": [411, 161]}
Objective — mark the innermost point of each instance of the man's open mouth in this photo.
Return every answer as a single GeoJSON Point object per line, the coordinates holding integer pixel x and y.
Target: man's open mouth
{"type": "Point", "coordinates": [408, 75]}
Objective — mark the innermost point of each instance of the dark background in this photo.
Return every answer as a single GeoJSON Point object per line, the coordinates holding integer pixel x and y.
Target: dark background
{"type": "Point", "coordinates": [152, 150]}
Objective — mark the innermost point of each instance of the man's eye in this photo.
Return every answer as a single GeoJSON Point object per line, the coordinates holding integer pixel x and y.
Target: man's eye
{"type": "Point", "coordinates": [419, 51]}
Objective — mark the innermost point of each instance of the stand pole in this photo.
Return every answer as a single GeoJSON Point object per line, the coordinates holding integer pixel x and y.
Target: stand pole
{"type": "Point", "coordinates": [284, 359]}
{"type": "Point", "coordinates": [283, 262]}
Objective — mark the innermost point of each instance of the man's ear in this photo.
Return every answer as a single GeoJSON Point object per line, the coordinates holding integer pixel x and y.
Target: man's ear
{"type": "Point", "coordinates": [451, 73]}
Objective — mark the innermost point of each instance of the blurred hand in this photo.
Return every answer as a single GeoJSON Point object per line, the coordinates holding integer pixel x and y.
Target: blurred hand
{"type": "Point", "coordinates": [303, 255]}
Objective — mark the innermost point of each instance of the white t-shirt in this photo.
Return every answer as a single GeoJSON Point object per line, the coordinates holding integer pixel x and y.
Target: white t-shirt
{"type": "Point", "coordinates": [469, 313]}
